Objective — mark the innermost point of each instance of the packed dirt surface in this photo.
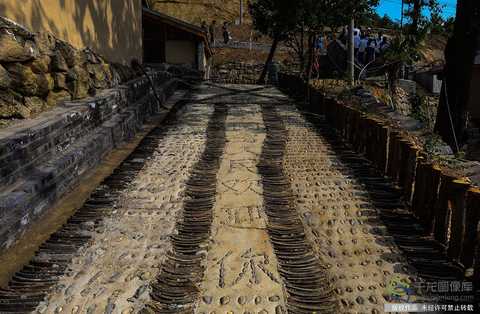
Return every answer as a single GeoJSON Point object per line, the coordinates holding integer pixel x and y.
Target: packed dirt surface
{"type": "Point", "coordinates": [241, 203]}
{"type": "Point", "coordinates": [243, 276]}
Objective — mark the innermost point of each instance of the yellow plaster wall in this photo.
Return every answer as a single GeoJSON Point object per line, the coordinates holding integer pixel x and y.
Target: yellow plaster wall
{"type": "Point", "coordinates": [113, 28]}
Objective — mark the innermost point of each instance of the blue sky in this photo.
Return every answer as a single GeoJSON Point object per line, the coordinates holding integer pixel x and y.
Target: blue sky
{"type": "Point", "coordinates": [393, 8]}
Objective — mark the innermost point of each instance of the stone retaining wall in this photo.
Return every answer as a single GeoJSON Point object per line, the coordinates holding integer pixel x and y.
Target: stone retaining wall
{"type": "Point", "coordinates": [37, 71]}
{"type": "Point", "coordinates": [236, 73]}
{"type": "Point", "coordinates": [446, 204]}
{"type": "Point", "coordinates": [43, 158]}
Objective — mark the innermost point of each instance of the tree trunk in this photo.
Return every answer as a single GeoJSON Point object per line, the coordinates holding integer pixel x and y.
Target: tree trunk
{"type": "Point", "coordinates": [401, 15]}
{"type": "Point", "coordinates": [351, 54]}
{"type": "Point", "coordinates": [273, 48]}
{"type": "Point", "coordinates": [417, 7]}
{"type": "Point", "coordinates": [241, 12]}
{"type": "Point", "coordinates": [311, 55]}
{"type": "Point", "coordinates": [302, 46]}
{"type": "Point", "coordinates": [459, 54]}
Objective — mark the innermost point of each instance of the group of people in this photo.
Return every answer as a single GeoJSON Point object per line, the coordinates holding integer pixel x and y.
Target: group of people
{"type": "Point", "coordinates": [368, 47]}
{"type": "Point", "coordinates": [212, 29]}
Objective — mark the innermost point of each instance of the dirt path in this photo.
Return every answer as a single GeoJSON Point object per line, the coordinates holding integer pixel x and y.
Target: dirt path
{"type": "Point", "coordinates": [241, 268]}
{"type": "Point", "coordinates": [242, 205]}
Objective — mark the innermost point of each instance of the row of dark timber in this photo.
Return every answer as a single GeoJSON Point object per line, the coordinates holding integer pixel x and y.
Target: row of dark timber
{"type": "Point", "coordinates": [176, 287]}
{"type": "Point", "coordinates": [306, 280]}
{"type": "Point", "coordinates": [447, 206]}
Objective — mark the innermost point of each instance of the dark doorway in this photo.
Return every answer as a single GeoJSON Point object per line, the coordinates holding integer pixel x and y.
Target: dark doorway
{"type": "Point", "coordinates": [154, 37]}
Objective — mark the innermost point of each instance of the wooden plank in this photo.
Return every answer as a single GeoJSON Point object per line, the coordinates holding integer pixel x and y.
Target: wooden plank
{"type": "Point", "coordinates": [472, 216]}
{"type": "Point", "coordinates": [432, 185]}
{"type": "Point", "coordinates": [457, 193]}
{"type": "Point", "coordinates": [443, 209]}
{"type": "Point", "coordinates": [411, 168]}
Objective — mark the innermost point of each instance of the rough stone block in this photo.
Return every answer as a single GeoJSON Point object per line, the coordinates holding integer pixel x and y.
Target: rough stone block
{"type": "Point", "coordinates": [12, 49]}
{"type": "Point", "coordinates": [59, 81]}
{"type": "Point", "coordinates": [34, 104]}
{"type": "Point", "coordinates": [45, 43]}
{"type": "Point", "coordinates": [41, 64]}
{"type": "Point", "coordinates": [54, 98]}
{"type": "Point", "coordinates": [58, 62]}
{"type": "Point", "coordinates": [23, 79]}
{"type": "Point", "coordinates": [5, 79]}
{"type": "Point", "coordinates": [409, 86]}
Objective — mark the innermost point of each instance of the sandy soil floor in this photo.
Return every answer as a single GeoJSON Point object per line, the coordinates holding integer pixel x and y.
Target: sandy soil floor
{"type": "Point", "coordinates": [241, 266]}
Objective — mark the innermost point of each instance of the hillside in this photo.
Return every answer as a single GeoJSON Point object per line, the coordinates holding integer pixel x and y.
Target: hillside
{"type": "Point", "coordinates": [196, 11]}
{"type": "Point", "coordinates": [432, 50]}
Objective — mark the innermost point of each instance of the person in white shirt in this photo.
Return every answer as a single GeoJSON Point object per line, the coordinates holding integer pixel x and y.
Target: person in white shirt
{"type": "Point", "coordinates": [362, 49]}
{"type": "Point", "coordinates": [356, 42]}
{"type": "Point", "coordinates": [371, 48]}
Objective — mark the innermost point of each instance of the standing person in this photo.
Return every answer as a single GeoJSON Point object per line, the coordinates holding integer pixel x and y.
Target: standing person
{"type": "Point", "coordinates": [357, 31]}
{"type": "Point", "coordinates": [379, 42]}
{"type": "Point", "coordinates": [356, 42]}
{"type": "Point", "coordinates": [380, 38]}
{"type": "Point", "coordinates": [211, 29]}
{"type": "Point", "coordinates": [371, 47]}
{"type": "Point", "coordinates": [226, 33]}
{"type": "Point", "coordinates": [320, 43]}
{"type": "Point", "coordinates": [384, 45]}
{"type": "Point", "coordinates": [273, 69]}
{"type": "Point", "coordinates": [362, 49]}
{"type": "Point", "coordinates": [344, 35]}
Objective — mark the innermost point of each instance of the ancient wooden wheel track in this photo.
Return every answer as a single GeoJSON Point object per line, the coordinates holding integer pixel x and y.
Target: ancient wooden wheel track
{"type": "Point", "coordinates": [176, 287]}
{"type": "Point", "coordinates": [307, 284]}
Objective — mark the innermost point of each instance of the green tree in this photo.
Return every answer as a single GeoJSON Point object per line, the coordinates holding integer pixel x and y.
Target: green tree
{"type": "Point", "coordinates": [276, 19]}
{"type": "Point", "coordinates": [312, 18]}
{"type": "Point", "coordinates": [387, 22]}
{"type": "Point", "coordinates": [436, 24]}
{"type": "Point", "coordinates": [449, 26]}
{"type": "Point", "coordinates": [281, 19]}
{"type": "Point", "coordinates": [405, 47]}
{"type": "Point", "coordinates": [374, 20]}
{"type": "Point", "coordinates": [419, 23]}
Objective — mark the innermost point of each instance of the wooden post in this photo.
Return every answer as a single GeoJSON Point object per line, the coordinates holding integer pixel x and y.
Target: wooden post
{"type": "Point", "coordinates": [401, 18]}
{"type": "Point", "coordinates": [273, 48]}
{"type": "Point", "coordinates": [241, 12]}
{"type": "Point", "coordinates": [351, 54]}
